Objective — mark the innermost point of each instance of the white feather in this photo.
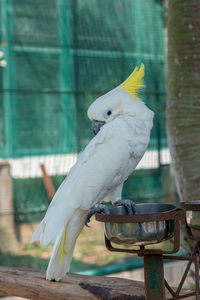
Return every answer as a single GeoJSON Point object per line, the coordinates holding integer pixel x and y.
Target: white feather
{"type": "Point", "coordinates": [60, 261]}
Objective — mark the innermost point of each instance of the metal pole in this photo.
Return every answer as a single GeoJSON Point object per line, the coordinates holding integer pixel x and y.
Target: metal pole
{"type": "Point", "coordinates": [197, 276]}
{"type": "Point", "coordinates": [154, 277]}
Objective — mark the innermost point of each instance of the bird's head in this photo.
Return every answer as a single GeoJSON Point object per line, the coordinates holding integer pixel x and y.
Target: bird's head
{"type": "Point", "coordinates": [121, 100]}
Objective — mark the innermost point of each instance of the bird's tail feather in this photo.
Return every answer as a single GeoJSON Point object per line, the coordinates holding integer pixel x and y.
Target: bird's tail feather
{"type": "Point", "coordinates": [39, 233]}
{"type": "Point", "coordinates": [61, 256]}
{"type": "Point", "coordinates": [64, 244]}
{"type": "Point", "coordinates": [60, 261]}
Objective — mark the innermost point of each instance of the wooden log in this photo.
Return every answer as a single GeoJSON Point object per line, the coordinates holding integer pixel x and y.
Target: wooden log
{"type": "Point", "coordinates": [31, 284]}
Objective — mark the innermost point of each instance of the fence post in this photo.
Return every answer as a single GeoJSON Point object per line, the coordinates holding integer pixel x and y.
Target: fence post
{"type": "Point", "coordinates": [8, 241]}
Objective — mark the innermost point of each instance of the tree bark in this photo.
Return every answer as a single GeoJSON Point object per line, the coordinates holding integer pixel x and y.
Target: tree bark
{"type": "Point", "coordinates": [183, 106]}
{"type": "Point", "coordinates": [31, 284]}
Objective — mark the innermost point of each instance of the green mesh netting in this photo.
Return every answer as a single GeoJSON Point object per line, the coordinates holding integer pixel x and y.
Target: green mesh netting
{"type": "Point", "coordinates": [61, 55]}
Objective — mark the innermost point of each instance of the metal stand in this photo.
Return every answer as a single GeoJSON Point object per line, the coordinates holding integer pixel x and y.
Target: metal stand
{"type": "Point", "coordinates": [193, 258]}
{"type": "Point", "coordinates": [153, 258]}
{"type": "Point", "coordinates": [154, 277]}
{"type": "Point", "coordinates": [155, 282]}
{"type": "Point", "coordinates": [193, 208]}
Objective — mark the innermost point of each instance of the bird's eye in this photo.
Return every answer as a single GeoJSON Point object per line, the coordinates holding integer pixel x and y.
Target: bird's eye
{"type": "Point", "coordinates": [107, 113]}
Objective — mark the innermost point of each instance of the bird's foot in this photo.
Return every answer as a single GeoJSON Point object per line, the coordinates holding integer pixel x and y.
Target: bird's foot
{"type": "Point", "coordinates": [98, 208]}
{"type": "Point", "coordinates": [128, 204]}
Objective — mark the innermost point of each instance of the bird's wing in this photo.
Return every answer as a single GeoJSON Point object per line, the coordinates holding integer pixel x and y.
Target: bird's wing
{"type": "Point", "coordinates": [101, 166]}
{"type": "Point", "coordinates": [140, 137]}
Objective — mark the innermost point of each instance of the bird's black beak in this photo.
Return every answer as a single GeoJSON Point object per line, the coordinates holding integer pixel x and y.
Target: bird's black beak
{"type": "Point", "coordinates": [96, 126]}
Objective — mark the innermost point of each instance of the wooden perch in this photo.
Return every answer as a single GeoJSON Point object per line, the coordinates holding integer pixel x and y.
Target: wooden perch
{"type": "Point", "coordinates": [47, 182]}
{"type": "Point", "coordinates": [31, 284]}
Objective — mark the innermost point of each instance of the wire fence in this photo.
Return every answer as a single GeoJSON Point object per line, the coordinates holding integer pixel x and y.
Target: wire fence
{"type": "Point", "coordinates": [60, 56]}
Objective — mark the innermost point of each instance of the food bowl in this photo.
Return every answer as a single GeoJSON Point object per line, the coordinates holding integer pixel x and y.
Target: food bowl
{"type": "Point", "coordinates": [192, 213]}
{"type": "Point", "coordinates": [141, 233]}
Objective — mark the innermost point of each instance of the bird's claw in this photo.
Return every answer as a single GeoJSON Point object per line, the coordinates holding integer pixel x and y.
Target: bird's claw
{"type": "Point", "coordinates": [128, 204]}
{"type": "Point", "coordinates": [98, 208]}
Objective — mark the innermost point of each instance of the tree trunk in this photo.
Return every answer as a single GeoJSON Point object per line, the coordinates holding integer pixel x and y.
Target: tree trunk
{"type": "Point", "coordinates": [8, 241]}
{"type": "Point", "coordinates": [183, 107]}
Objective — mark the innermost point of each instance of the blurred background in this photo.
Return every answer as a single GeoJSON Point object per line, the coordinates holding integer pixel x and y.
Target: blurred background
{"type": "Point", "coordinates": [56, 58]}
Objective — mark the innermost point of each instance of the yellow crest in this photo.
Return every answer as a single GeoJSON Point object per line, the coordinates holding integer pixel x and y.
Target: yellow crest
{"type": "Point", "coordinates": [134, 82]}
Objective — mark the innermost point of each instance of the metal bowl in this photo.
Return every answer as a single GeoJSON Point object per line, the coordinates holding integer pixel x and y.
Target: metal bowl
{"type": "Point", "coordinates": [192, 213]}
{"type": "Point", "coordinates": [144, 233]}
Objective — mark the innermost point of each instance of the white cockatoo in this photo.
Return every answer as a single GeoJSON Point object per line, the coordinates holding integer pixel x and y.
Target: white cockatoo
{"type": "Point", "coordinates": [122, 124]}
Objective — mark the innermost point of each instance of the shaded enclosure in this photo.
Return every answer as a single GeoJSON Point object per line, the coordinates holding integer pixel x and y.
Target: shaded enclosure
{"type": "Point", "coordinates": [61, 55]}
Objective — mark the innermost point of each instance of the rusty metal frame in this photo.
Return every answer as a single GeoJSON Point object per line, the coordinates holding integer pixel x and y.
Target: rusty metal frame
{"type": "Point", "coordinates": [190, 207]}
{"type": "Point", "coordinates": [143, 251]}
{"type": "Point", "coordinates": [176, 215]}
{"type": "Point", "coordinates": [194, 258]}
